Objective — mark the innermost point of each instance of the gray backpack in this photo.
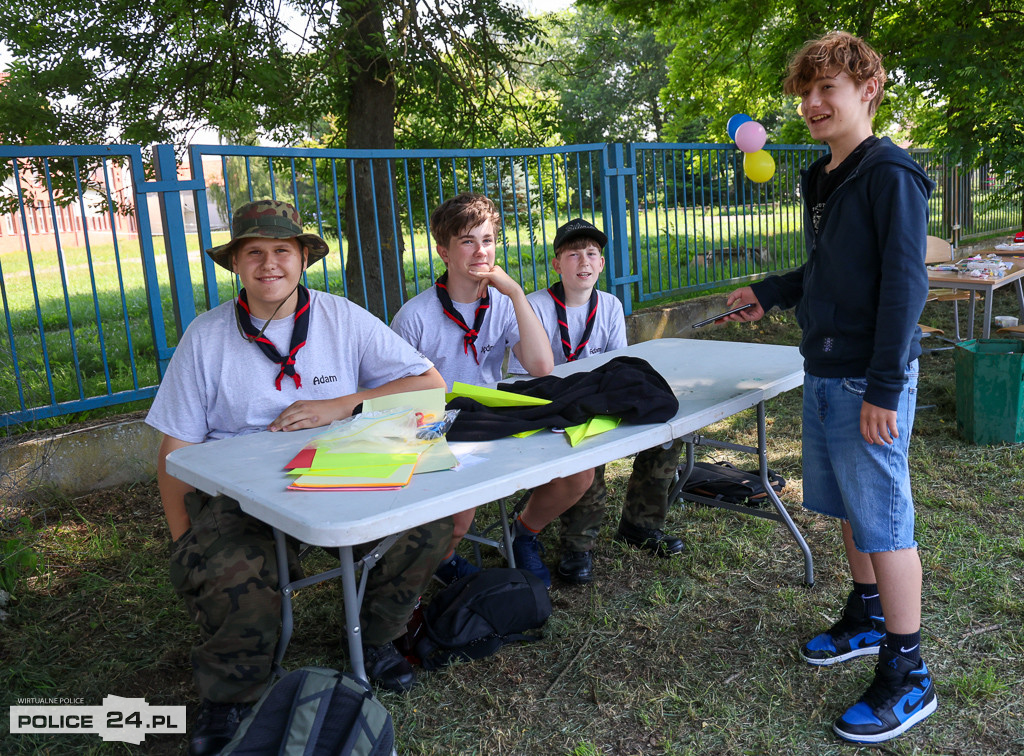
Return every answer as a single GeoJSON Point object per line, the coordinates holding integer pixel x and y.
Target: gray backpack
{"type": "Point", "coordinates": [314, 711]}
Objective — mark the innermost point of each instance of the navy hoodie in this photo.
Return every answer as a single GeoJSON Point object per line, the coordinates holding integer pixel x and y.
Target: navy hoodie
{"type": "Point", "coordinates": [860, 293]}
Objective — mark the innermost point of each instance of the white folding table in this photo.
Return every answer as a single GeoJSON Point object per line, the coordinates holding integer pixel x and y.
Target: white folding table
{"type": "Point", "coordinates": [712, 380]}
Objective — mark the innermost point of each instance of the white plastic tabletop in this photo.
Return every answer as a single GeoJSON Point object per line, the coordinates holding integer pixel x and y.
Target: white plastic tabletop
{"type": "Point", "coordinates": [712, 379]}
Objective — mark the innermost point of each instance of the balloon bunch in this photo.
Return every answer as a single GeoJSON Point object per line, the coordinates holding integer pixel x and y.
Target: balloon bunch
{"type": "Point", "coordinates": [750, 137]}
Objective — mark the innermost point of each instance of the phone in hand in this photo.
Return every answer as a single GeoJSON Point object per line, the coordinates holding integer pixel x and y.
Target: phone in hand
{"type": "Point", "coordinates": [720, 315]}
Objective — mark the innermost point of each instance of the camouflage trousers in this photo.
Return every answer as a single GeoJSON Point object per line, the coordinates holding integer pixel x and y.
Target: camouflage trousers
{"type": "Point", "coordinates": [225, 569]}
{"type": "Point", "coordinates": [646, 502]}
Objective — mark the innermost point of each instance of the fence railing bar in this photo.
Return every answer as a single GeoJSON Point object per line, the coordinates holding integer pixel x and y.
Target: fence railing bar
{"type": "Point", "coordinates": [35, 285]}
{"type": "Point", "coordinates": [129, 343]}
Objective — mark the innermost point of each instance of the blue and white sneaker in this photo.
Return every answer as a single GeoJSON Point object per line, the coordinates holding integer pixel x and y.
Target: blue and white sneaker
{"type": "Point", "coordinates": [855, 634]}
{"type": "Point", "coordinates": [453, 569]}
{"type": "Point", "coordinates": [902, 695]}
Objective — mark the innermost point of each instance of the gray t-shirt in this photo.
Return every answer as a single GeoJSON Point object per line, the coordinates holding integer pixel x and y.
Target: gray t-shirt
{"type": "Point", "coordinates": [218, 385]}
{"type": "Point", "coordinates": [608, 335]}
{"type": "Point", "coordinates": [423, 323]}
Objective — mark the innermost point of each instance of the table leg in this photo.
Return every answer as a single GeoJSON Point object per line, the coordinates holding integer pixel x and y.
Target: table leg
{"type": "Point", "coordinates": [506, 532]}
{"type": "Point", "coordinates": [970, 316]}
{"type": "Point", "coordinates": [1020, 298]}
{"type": "Point", "coordinates": [762, 453]}
{"type": "Point", "coordinates": [986, 327]}
{"type": "Point", "coordinates": [351, 600]}
{"type": "Point", "coordinates": [352, 595]}
{"type": "Point", "coordinates": [761, 450]}
{"type": "Point", "coordinates": [284, 580]}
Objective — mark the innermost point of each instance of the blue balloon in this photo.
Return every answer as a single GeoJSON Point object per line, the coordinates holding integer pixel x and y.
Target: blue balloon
{"type": "Point", "coordinates": [735, 122]}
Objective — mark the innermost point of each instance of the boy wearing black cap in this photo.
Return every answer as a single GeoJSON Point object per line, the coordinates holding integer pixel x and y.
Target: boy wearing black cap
{"type": "Point", "coordinates": [583, 321]}
{"type": "Point", "coordinates": [280, 357]}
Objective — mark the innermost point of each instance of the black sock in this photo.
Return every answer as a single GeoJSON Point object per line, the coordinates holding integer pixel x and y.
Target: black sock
{"type": "Point", "coordinates": [908, 646]}
{"type": "Point", "coordinates": [868, 593]}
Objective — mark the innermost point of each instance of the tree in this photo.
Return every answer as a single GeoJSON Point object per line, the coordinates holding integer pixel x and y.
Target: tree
{"type": "Point", "coordinates": [608, 74]}
{"type": "Point", "coordinates": [88, 72]}
{"type": "Point", "coordinates": [955, 66]}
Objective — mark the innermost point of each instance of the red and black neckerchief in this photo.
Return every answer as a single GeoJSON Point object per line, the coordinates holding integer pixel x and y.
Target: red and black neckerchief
{"type": "Point", "coordinates": [469, 339]}
{"type": "Point", "coordinates": [557, 293]}
{"type": "Point", "coordinates": [299, 330]}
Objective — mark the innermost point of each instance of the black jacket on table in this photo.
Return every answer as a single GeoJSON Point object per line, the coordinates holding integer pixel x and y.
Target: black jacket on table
{"type": "Point", "coordinates": [860, 293]}
{"type": "Point", "coordinates": [626, 387]}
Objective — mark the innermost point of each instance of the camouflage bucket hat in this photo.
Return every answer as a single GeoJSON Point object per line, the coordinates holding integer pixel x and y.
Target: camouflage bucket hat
{"type": "Point", "coordinates": [268, 219]}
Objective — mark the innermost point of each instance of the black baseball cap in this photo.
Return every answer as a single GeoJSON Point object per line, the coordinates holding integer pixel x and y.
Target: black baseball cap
{"type": "Point", "coordinates": [576, 228]}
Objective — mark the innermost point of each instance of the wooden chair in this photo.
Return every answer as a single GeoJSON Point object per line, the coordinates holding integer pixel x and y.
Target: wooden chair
{"type": "Point", "coordinates": [940, 251]}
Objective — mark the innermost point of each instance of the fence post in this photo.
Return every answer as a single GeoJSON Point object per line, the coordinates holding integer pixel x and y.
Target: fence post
{"type": "Point", "coordinates": [956, 219]}
{"type": "Point", "coordinates": [616, 209]}
{"type": "Point", "coordinates": [175, 244]}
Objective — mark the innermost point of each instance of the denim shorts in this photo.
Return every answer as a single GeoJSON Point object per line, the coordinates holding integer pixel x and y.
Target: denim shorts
{"type": "Point", "coordinates": [844, 476]}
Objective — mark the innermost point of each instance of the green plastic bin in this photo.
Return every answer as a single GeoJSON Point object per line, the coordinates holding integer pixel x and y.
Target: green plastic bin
{"type": "Point", "coordinates": [990, 390]}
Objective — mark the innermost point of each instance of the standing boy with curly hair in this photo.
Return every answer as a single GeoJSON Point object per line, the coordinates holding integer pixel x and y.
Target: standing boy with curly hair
{"type": "Point", "coordinates": [858, 298]}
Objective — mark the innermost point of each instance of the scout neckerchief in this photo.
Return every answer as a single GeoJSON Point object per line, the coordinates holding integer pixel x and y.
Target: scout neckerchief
{"type": "Point", "coordinates": [469, 340]}
{"type": "Point", "coordinates": [299, 330]}
{"type": "Point", "coordinates": [557, 293]}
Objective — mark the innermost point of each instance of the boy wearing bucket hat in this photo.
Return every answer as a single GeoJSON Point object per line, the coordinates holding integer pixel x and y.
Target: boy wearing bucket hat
{"type": "Point", "coordinates": [464, 324]}
{"type": "Point", "coordinates": [582, 321]}
{"type": "Point", "coordinates": [282, 358]}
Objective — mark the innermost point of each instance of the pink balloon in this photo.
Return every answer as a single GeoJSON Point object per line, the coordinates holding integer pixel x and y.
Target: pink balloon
{"type": "Point", "coordinates": [750, 136]}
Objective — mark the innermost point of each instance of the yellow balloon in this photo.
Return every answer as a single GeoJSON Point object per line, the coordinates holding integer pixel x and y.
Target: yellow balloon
{"type": "Point", "coordinates": [758, 166]}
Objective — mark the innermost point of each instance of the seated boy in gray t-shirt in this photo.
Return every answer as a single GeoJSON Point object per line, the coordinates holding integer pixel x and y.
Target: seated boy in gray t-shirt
{"type": "Point", "coordinates": [463, 324]}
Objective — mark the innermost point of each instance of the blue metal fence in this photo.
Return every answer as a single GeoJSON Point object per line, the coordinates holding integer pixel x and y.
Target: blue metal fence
{"type": "Point", "coordinates": [101, 264]}
{"type": "Point", "coordinates": [698, 222]}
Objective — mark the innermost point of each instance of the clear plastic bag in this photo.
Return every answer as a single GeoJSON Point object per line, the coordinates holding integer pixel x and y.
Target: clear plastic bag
{"type": "Point", "coordinates": [390, 431]}
{"type": "Point", "coordinates": [431, 428]}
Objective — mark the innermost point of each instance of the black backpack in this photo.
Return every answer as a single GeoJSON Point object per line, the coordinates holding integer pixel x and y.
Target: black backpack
{"type": "Point", "coordinates": [478, 614]}
{"type": "Point", "coordinates": [727, 483]}
{"type": "Point", "coordinates": [315, 712]}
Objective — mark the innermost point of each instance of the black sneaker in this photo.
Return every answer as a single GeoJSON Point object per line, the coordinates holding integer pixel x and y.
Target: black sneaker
{"type": "Point", "coordinates": [855, 634]}
{"type": "Point", "coordinates": [576, 567]}
{"type": "Point", "coordinates": [215, 726]}
{"type": "Point", "coordinates": [902, 695]}
{"type": "Point", "coordinates": [386, 667]}
{"type": "Point", "coordinates": [651, 539]}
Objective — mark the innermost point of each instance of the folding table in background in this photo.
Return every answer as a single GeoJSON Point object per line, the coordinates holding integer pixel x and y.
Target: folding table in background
{"type": "Point", "coordinates": [948, 279]}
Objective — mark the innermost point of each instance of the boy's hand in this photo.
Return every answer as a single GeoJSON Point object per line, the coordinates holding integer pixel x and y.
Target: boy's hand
{"type": "Point", "coordinates": [497, 278]}
{"type": "Point", "coordinates": [878, 425]}
{"type": "Point", "coordinates": [309, 413]}
{"type": "Point", "coordinates": [741, 297]}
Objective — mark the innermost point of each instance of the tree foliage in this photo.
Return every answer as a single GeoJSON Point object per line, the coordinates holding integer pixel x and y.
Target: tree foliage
{"type": "Point", "coordinates": [957, 80]}
{"type": "Point", "coordinates": [155, 71]}
{"type": "Point", "coordinates": [608, 74]}
{"type": "Point", "coordinates": [86, 72]}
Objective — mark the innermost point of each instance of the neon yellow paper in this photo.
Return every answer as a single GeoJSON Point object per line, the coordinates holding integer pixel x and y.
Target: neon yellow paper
{"type": "Point", "coordinates": [490, 397]}
{"type": "Point", "coordinates": [593, 426]}
{"type": "Point", "coordinates": [355, 465]}
{"type": "Point", "coordinates": [524, 434]}
{"type": "Point", "coordinates": [438, 456]}
{"type": "Point", "coordinates": [429, 403]}
{"type": "Point", "coordinates": [398, 478]}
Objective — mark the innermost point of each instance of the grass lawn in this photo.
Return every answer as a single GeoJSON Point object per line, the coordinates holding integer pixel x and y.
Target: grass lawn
{"type": "Point", "coordinates": [691, 655]}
